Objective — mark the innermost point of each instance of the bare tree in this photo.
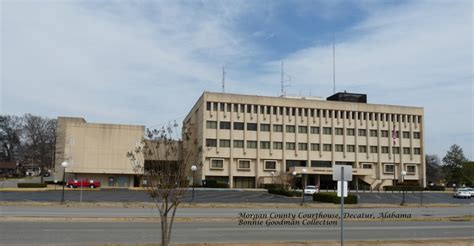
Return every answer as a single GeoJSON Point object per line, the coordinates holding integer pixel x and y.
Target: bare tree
{"type": "Point", "coordinates": [11, 128]}
{"type": "Point", "coordinates": [164, 165]}
{"type": "Point", "coordinates": [39, 140]}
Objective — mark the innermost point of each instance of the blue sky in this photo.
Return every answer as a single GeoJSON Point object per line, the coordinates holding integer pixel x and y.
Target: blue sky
{"type": "Point", "coordinates": [146, 62]}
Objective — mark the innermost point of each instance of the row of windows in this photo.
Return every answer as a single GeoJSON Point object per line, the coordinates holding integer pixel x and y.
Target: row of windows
{"type": "Point", "coordinates": [390, 168]}
{"type": "Point", "coordinates": [290, 111]}
{"type": "Point", "coordinates": [243, 164]}
{"type": "Point", "coordinates": [226, 125]}
{"type": "Point", "coordinates": [225, 143]}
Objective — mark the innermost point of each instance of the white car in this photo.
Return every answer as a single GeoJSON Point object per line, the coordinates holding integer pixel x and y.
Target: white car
{"type": "Point", "coordinates": [462, 193]}
{"type": "Point", "coordinates": [310, 190]}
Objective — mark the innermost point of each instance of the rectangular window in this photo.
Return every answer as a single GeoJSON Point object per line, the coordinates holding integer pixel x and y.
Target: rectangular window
{"type": "Point", "coordinates": [388, 168]}
{"type": "Point", "coordinates": [367, 166]}
{"type": "Point", "coordinates": [224, 125]}
{"type": "Point", "coordinates": [238, 143]}
{"type": "Point", "coordinates": [315, 147]}
{"type": "Point", "coordinates": [396, 150]}
{"type": "Point", "coordinates": [384, 133]}
{"type": "Point", "coordinates": [251, 126]}
{"type": "Point", "coordinates": [350, 131]}
{"type": "Point", "coordinates": [278, 128]}
{"type": "Point", "coordinates": [244, 164]}
{"type": "Point", "coordinates": [417, 151]}
{"type": "Point", "coordinates": [224, 143]}
{"type": "Point", "coordinates": [262, 109]}
{"type": "Point", "coordinates": [211, 124]}
{"type": "Point", "coordinates": [374, 149]}
{"type": "Point", "coordinates": [406, 151]}
{"type": "Point", "coordinates": [362, 149]}
{"type": "Point", "coordinates": [339, 131]}
{"type": "Point", "coordinates": [362, 132]}
{"type": "Point", "coordinates": [269, 110]}
{"type": "Point", "coordinates": [277, 145]}
{"type": "Point", "coordinates": [290, 146]}
{"type": "Point", "coordinates": [265, 127]}
{"type": "Point", "coordinates": [290, 129]}
{"type": "Point", "coordinates": [211, 142]}
{"type": "Point", "coordinates": [238, 126]}
{"type": "Point", "coordinates": [208, 106]}
{"type": "Point", "coordinates": [251, 144]}
{"type": "Point", "coordinates": [350, 148]}
{"type": "Point", "coordinates": [406, 134]}
{"type": "Point", "coordinates": [236, 108]}
{"type": "Point", "coordinates": [215, 105]}
{"type": "Point", "coordinates": [327, 147]}
{"type": "Point", "coordinates": [327, 130]}
{"type": "Point", "coordinates": [373, 133]}
{"type": "Point", "coordinates": [217, 164]}
{"type": "Point", "coordinates": [302, 146]}
{"type": "Point", "coordinates": [339, 148]}
{"type": "Point", "coordinates": [411, 169]}
{"type": "Point", "coordinates": [264, 145]}
{"type": "Point", "coordinates": [384, 149]}
{"type": "Point", "coordinates": [302, 129]}
{"type": "Point", "coordinates": [242, 108]}
{"type": "Point", "coordinates": [270, 165]}
{"type": "Point", "coordinates": [229, 107]}
{"type": "Point", "coordinates": [314, 130]}
{"type": "Point", "coordinates": [416, 135]}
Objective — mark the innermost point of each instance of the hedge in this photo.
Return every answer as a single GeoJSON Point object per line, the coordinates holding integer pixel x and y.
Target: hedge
{"type": "Point", "coordinates": [31, 185]}
{"type": "Point", "coordinates": [272, 186]}
{"type": "Point", "coordinates": [284, 192]}
{"type": "Point", "coordinates": [403, 188]}
{"type": "Point", "coordinates": [215, 184]}
{"type": "Point", "coordinates": [332, 197]}
{"type": "Point", "coordinates": [436, 188]}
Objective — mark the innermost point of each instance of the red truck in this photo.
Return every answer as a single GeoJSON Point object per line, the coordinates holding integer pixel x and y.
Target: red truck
{"type": "Point", "coordinates": [83, 183]}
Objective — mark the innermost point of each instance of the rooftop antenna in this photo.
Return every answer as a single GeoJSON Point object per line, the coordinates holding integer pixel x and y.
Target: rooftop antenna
{"type": "Point", "coordinates": [333, 65]}
{"type": "Point", "coordinates": [284, 80]}
{"type": "Point", "coordinates": [223, 79]}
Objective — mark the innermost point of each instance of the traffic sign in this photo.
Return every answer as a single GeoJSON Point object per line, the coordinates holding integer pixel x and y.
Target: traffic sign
{"type": "Point", "coordinates": [337, 171]}
{"type": "Point", "coordinates": [339, 188]}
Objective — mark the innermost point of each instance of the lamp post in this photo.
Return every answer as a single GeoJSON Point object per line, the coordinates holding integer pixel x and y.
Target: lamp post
{"type": "Point", "coordinates": [454, 187]}
{"type": "Point", "coordinates": [303, 181]}
{"type": "Point", "coordinates": [403, 173]}
{"type": "Point", "coordinates": [64, 164]}
{"type": "Point", "coordinates": [273, 175]}
{"type": "Point", "coordinates": [193, 169]}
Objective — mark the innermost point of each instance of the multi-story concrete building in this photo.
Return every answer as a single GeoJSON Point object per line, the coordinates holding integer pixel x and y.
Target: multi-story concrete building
{"type": "Point", "coordinates": [96, 151]}
{"type": "Point", "coordinates": [248, 139]}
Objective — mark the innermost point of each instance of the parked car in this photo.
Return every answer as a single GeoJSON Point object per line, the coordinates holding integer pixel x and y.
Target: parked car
{"type": "Point", "coordinates": [83, 183]}
{"type": "Point", "coordinates": [462, 193]}
{"type": "Point", "coordinates": [310, 190]}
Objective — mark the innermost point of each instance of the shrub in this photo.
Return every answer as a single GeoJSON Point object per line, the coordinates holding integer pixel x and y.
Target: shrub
{"type": "Point", "coordinates": [436, 188]}
{"type": "Point", "coordinates": [272, 186]}
{"type": "Point", "coordinates": [31, 185]}
{"type": "Point", "coordinates": [215, 184]}
{"type": "Point", "coordinates": [284, 192]}
{"type": "Point", "coordinates": [403, 188]}
{"type": "Point", "coordinates": [331, 197]}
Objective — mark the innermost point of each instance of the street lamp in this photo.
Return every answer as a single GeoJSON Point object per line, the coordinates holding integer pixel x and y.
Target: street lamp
{"type": "Point", "coordinates": [64, 164]}
{"type": "Point", "coordinates": [403, 173]}
{"type": "Point", "coordinates": [303, 172]}
{"type": "Point", "coordinates": [273, 174]}
{"type": "Point", "coordinates": [193, 169]}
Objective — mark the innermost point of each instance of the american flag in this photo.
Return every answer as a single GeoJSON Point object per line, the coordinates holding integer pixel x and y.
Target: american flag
{"type": "Point", "coordinates": [394, 135]}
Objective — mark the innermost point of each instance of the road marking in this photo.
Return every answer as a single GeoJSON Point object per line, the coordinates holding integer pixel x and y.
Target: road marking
{"type": "Point", "coordinates": [378, 197]}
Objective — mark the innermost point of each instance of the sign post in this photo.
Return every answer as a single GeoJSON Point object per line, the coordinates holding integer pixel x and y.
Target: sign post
{"type": "Point", "coordinates": [342, 174]}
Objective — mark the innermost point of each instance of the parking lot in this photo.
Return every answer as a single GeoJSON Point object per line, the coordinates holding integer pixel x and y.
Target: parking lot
{"type": "Point", "coordinates": [222, 196]}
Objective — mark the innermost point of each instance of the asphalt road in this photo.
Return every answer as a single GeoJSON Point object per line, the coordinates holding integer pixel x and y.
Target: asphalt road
{"type": "Point", "coordinates": [224, 196]}
{"type": "Point", "coordinates": [64, 233]}
{"type": "Point", "coordinates": [22, 211]}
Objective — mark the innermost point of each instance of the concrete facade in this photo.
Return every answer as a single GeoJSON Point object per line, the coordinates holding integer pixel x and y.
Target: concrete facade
{"type": "Point", "coordinates": [247, 140]}
{"type": "Point", "coordinates": [96, 151]}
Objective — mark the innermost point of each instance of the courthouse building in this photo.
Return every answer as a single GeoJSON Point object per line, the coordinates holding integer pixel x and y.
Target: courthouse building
{"type": "Point", "coordinates": [249, 139]}
{"type": "Point", "coordinates": [96, 151]}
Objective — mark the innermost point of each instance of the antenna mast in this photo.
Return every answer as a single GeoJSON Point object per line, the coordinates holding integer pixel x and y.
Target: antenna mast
{"type": "Point", "coordinates": [283, 80]}
{"type": "Point", "coordinates": [333, 65]}
{"type": "Point", "coordinates": [223, 79]}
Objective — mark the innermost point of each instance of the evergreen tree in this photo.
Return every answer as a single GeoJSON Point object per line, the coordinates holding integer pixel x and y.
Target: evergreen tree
{"type": "Point", "coordinates": [452, 164]}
